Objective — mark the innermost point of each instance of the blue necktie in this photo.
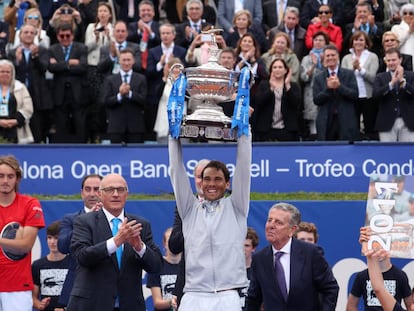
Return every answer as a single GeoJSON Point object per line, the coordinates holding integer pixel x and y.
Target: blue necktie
{"type": "Point", "coordinates": [115, 224]}
{"type": "Point", "coordinates": [280, 275]}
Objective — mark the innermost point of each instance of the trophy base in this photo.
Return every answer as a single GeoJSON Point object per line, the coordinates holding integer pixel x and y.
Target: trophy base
{"type": "Point", "coordinates": [207, 130]}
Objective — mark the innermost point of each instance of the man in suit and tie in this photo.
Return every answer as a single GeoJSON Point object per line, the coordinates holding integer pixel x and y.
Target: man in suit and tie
{"type": "Point", "coordinates": [124, 96]}
{"type": "Point", "coordinates": [394, 91]}
{"type": "Point", "coordinates": [112, 248]}
{"type": "Point", "coordinates": [109, 55]}
{"type": "Point", "coordinates": [31, 61]}
{"type": "Point", "coordinates": [335, 92]}
{"type": "Point", "coordinates": [68, 63]}
{"type": "Point", "coordinates": [290, 274]}
{"type": "Point", "coordinates": [273, 11]}
{"type": "Point", "coordinates": [91, 203]}
{"type": "Point", "coordinates": [158, 57]}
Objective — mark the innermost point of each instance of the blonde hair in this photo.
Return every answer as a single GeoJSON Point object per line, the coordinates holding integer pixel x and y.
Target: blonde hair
{"type": "Point", "coordinates": [31, 12]}
{"type": "Point", "coordinates": [243, 12]}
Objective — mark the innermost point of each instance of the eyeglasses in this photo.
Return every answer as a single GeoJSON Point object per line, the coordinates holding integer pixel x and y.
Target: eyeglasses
{"type": "Point", "coordinates": [408, 13]}
{"type": "Point", "coordinates": [111, 190]}
{"type": "Point", "coordinates": [63, 36]}
{"type": "Point", "coordinates": [390, 40]}
{"type": "Point", "coordinates": [32, 17]}
{"type": "Point", "coordinates": [324, 12]}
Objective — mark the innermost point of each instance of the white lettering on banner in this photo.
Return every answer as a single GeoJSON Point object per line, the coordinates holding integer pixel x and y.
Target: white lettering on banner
{"type": "Point", "coordinates": [32, 171]}
{"type": "Point", "coordinates": [258, 169]}
{"type": "Point", "coordinates": [140, 170]}
{"type": "Point", "coordinates": [326, 169]}
{"type": "Point", "coordinates": [370, 167]}
{"type": "Point", "coordinates": [79, 169]}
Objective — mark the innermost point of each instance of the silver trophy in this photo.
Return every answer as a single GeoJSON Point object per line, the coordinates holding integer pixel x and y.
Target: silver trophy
{"type": "Point", "coordinates": [208, 85]}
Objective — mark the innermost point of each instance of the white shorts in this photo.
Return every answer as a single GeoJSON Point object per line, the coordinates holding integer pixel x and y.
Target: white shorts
{"type": "Point", "coordinates": [16, 301]}
{"type": "Point", "coordinates": [228, 300]}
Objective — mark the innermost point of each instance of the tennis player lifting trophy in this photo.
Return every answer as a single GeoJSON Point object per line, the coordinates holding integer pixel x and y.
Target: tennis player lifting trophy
{"type": "Point", "coordinates": [207, 85]}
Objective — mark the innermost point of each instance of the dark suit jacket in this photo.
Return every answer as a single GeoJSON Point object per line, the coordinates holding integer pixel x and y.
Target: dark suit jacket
{"type": "Point", "coordinates": [342, 100]}
{"type": "Point", "coordinates": [99, 280]}
{"type": "Point", "coordinates": [106, 64]}
{"type": "Point", "coordinates": [65, 237]}
{"type": "Point", "coordinates": [349, 10]}
{"type": "Point", "coordinates": [135, 37]}
{"type": "Point", "coordinates": [299, 47]}
{"type": "Point", "coordinates": [127, 115]}
{"type": "Point", "coordinates": [180, 38]}
{"type": "Point", "coordinates": [75, 75]}
{"type": "Point", "coordinates": [389, 101]}
{"type": "Point", "coordinates": [407, 63]}
{"type": "Point", "coordinates": [312, 284]}
{"type": "Point", "coordinates": [34, 71]}
{"type": "Point", "coordinates": [310, 9]}
{"type": "Point", "coordinates": [270, 13]}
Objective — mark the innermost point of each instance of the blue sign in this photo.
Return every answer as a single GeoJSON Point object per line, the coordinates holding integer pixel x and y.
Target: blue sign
{"type": "Point", "coordinates": [276, 167]}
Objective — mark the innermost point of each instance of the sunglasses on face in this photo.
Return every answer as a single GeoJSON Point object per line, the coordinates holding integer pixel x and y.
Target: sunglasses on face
{"type": "Point", "coordinates": [324, 12]}
{"type": "Point", "coordinates": [64, 36]}
{"type": "Point", "coordinates": [408, 13]}
{"type": "Point", "coordinates": [32, 17]}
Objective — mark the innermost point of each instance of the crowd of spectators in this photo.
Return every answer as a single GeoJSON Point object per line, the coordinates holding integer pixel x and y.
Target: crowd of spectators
{"type": "Point", "coordinates": [71, 51]}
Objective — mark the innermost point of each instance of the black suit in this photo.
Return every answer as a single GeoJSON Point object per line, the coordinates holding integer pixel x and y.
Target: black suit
{"type": "Point", "coordinates": [312, 284]}
{"type": "Point", "coordinates": [106, 64]}
{"type": "Point", "coordinates": [70, 92]}
{"type": "Point", "coordinates": [98, 279]}
{"type": "Point", "coordinates": [135, 36]}
{"type": "Point", "coordinates": [32, 73]}
{"type": "Point", "coordinates": [407, 63]}
{"type": "Point", "coordinates": [126, 119]}
{"type": "Point", "coordinates": [392, 104]}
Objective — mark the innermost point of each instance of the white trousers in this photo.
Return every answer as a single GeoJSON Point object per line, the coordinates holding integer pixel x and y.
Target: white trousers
{"type": "Point", "coordinates": [399, 132]}
{"type": "Point", "coordinates": [16, 301]}
{"type": "Point", "coordinates": [228, 300]}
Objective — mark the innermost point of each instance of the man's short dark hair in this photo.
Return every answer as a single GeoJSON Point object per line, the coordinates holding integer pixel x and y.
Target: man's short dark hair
{"type": "Point", "coordinates": [392, 51]}
{"type": "Point", "coordinates": [220, 166]}
{"type": "Point", "coordinates": [53, 229]}
{"type": "Point", "coordinates": [64, 27]}
{"type": "Point", "coordinates": [90, 176]}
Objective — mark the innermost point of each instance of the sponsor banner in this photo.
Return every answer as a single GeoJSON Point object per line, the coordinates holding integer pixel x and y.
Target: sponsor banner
{"type": "Point", "coordinates": [338, 224]}
{"type": "Point", "coordinates": [275, 168]}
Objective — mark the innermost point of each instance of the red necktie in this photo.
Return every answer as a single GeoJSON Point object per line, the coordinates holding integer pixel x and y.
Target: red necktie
{"type": "Point", "coordinates": [144, 48]}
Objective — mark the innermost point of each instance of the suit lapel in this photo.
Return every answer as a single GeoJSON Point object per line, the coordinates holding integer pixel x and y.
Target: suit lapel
{"type": "Point", "coordinates": [269, 267]}
{"type": "Point", "coordinates": [297, 262]}
{"type": "Point", "coordinates": [105, 233]}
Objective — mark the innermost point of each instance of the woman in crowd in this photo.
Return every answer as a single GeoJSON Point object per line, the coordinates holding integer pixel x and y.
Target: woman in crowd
{"type": "Point", "coordinates": [390, 40]}
{"type": "Point", "coordinates": [14, 15]}
{"type": "Point", "coordinates": [97, 35]}
{"type": "Point", "coordinates": [242, 24]}
{"type": "Point", "coordinates": [405, 30]}
{"type": "Point", "coordinates": [33, 17]}
{"type": "Point", "coordinates": [281, 49]}
{"type": "Point", "coordinates": [275, 116]}
{"type": "Point", "coordinates": [16, 107]}
{"type": "Point", "coordinates": [324, 24]}
{"type": "Point", "coordinates": [311, 65]}
{"type": "Point", "coordinates": [365, 66]}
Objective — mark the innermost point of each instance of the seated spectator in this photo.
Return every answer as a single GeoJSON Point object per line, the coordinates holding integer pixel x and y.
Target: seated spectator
{"type": "Point", "coordinates": [290, 25]}
{"type": "Point", "coordinates": [281, 49]}
{"type": "Point", "coordinates": [14, 15]}
{"type": "Point", "coordinates": [311, 65]}
{"type": "Point", "coordinates": [276, 109]}
{"type": "Point", "coordinates": [325, 24]}
{"type": "Point", "coordinates": [390, 40]}
{"type": "Point", "coordinates": [65, 14]}
{"type": "Point", "coordinates": [242, 23]}
{"type": "Point", "coordinates": [34, 18]}
{"type": "Point", "coordinates": [365, 66]}
{"type": "Point", "coordinates": [405, 30]}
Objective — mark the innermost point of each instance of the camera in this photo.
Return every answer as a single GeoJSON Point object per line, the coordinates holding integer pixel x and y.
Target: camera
{"type": "Point", "coordinates": [66, 11]}
{"type": "Point", "coordinates": [102, 28]}
{"type": "Point", "coordinates": [206, 37]}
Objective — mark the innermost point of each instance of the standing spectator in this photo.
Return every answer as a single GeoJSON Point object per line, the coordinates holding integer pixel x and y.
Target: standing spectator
{"type": "Point", "coordinates": [214, 230]}
{"type": "Point", "coordinates": [405, 30]}
{"type": "Point", "coordinates": [47, 9]}
{"type": "Point", "coordinates": [187, 30]}
{"type": "Point", "coordinates": [49, 273]}
{"type": "Point", "coordinates": [88, 9]}
{"type": "Point", "coordinates": [334, 91]}
{"type": "Point", "coordinates": [390, 40]}
{"type": "Point", "coordinates": [98, 34]}
{"type": "Point", "coordinates": [365, 22]}
{"type": "Point", "coordinates": [290, 25]}
{"type": "Point", "coordinates": [309, 13]}
{"type": "Point", "coordinates": [311, 65]}
{"type": "Point", "coordinates": [274, 10]}
{"type": "Point", "coordinates": [91, 203]}
{"type": "Point", "coordinates": [162, 284]}
{"type": "Point", "coordinates": [350, 9]}
{"type": "Point", "coordinates": [281, 48]}
{"type": "Point", "coordinates": [68, 63]}
{"type": "Point", "coordinates": [325, 24]}
{"type": "Point", "coordinates": [303, 280]}
{"type": "Point", "coordinates": [393, 89]}
{"type": "Point", "coordinates": [21, 217]}
{"type": "Point", "coordinates": [199, 51]}
{"type": "Point", "coordinates": [110, 264]}
{"type": "Point", "coordinates": [17, 107]}
{"type": "Point", "coordinates": [227, 9]}
{"type": "Point", "coordinates": [307, 232]}
{"type": "Point", "coordinates": [33, 17]}
{"type": "Point", "coordinates": [128, 10]}
{"type": "Point", "coordinates": [66, 14]}
{"type": "Point", "coordinates": [4, 38]}
{"type": "Point", "coordinates": [14, 15]}
{"type": "Point", "coordinates": [124, 98]}
{"type": "Point", "coordinates": [242, 24]}
{"type": "Point", "coordinates": [365, 66]}
{"type": "Point", "coordinates": [158, 57]}
{"type": "Point", "coordinates": [277, 102]}
{"type": "Point", "coordinates": [31, 61]}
